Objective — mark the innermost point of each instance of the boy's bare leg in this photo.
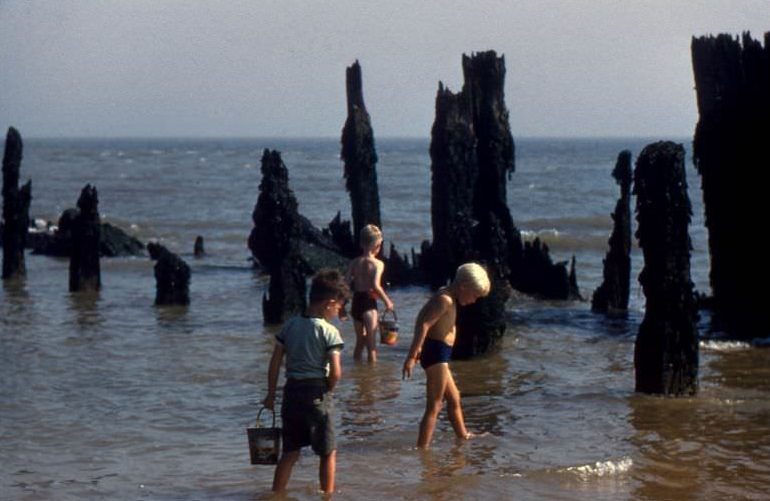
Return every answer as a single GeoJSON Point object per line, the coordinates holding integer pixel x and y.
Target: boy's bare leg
{"type": "Point", "coordinates": [360, 340]}
{"type": "Point", "coordinates": [370, 325]}
{"type": "Point", "coordinates": [454, 408]}
{"type": "Point", "coordinates": [435, 387]}
{"type": "Point", "coordinates": [327, 470]}
{"type": "Point", "coordinates": [283, 470]}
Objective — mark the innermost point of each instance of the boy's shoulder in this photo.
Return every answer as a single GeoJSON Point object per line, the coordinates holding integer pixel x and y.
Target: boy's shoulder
{"type": "Point", "coordinates": [375, 261]}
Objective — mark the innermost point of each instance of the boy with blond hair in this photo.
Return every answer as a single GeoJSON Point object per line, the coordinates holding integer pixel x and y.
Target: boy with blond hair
{"type": "Point", "coordinates": [311, 345]}
{"type": "Point", "coordinates": [365, 275]}
{"type": "Point", "coordinates": [434, 336]}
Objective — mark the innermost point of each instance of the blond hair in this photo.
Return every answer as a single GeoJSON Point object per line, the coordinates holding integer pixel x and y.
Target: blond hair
{"type": "Point", "coordinates": [370, 236]}
{"type": "Point", "coordinates": [474, 276]}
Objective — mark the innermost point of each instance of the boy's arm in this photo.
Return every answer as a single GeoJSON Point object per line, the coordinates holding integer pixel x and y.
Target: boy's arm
{"type": "Point", "coordinates": [272, 375]}
{"type": "Point", "coordinates": [379, 267]}
{"type": "Point", "coordinates": [335, 369]}
{"type": "Point", "coordinates": [436, 307]}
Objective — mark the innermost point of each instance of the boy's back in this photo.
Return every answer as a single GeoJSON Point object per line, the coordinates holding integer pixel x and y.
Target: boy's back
{"type": "Point", "coordinates": [363, 271]}
{"type": "Point", "coordinates": [311, 346]}
{"type": "Point", "coordinates": [307, 341]}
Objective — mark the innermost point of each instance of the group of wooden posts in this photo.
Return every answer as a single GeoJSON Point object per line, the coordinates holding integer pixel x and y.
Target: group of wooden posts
{"type": "Point", "coordinates": [472, 153]}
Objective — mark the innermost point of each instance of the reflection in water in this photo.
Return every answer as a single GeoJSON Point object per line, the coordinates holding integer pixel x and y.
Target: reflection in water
{"type": "Point", "coordinates": [171, 315]}
{"type": "Point", "coordinates": [439, 464]}
{"type": "Point", "coordinates": [85, 304]}
{"type": "Point", "coordinates": [16, 300]}
{"type": "Point", "coordinates": [719, 439]}
{"type": "Point", "coordinates": [483, 393]}
{"type": "Point", "coordinates": [367, 409]}
{"type": "Point", "coordinates": [451, 474]}
{"type": "Point", "coordinates": [668, 439]}
{"type": "Point", "coordinates": [15, 290]}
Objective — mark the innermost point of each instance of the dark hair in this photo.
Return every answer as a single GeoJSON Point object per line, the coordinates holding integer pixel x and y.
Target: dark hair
{"type": "Point", "coordinates": [328, 284]}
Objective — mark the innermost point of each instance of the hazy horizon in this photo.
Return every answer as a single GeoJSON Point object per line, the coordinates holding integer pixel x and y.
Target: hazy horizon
{"type": "Point", "coordinates": [276, 69]}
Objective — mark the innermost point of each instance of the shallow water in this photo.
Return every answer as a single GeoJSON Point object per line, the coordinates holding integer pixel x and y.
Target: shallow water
{"type": "Point", "coordinates": [108, 397]}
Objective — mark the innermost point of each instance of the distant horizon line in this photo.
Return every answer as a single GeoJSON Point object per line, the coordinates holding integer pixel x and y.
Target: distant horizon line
{"type": "Point", "coordinates": [336, 138]}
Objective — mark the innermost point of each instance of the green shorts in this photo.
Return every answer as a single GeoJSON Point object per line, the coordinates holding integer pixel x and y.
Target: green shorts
{"type": "Point", "coordinates": [307, 416]}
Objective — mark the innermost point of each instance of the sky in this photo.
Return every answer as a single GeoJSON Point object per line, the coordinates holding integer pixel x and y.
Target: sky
{"type": "Point", "coordinates": [263, 68]}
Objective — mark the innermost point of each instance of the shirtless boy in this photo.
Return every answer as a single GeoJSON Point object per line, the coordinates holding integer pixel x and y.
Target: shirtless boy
{"type": "Point", "coordinates": [434, 336]}
{"type": "Point", "coordinates": [365, 275]}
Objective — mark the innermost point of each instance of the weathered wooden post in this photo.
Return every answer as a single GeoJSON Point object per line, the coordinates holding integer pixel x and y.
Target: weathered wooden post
{"type": "Point", "coordinates": [85, 273]}
{"type": "Point", "coordinates": [15, 208]}
{"type": "Point", "coordinates": [732, 82]}
{"type": "Point", "coordinates": [274, 241]}
{"type": "Point", "coordinates": [360, 156]}
{"type": "Point", "coordinates": [666, 351]}
{"type": "Point", "coordinates": [172, 277]}
{"type": "Point", "coordinates": [198, 248]}
{"type": "Point", "coordinates": [612, 295]}
{"type": "Point", "coordinates": [454, 170]}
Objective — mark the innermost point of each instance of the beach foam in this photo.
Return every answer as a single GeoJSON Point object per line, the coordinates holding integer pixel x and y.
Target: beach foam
{"type": "Point", "coordinates": [723, 346]}
{"type": "Point", "coordinates": [602, 468]}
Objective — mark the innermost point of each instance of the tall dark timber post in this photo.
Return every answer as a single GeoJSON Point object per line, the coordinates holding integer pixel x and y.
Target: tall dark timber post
{"type": "Point", "coordinates": [732, 81]}
{"type": "Point", "coordinates": [360, 156]}
{"type": "Point", "coordinates": [666, 351]}
{"type": "Point", "coordinates": [15, 208]}
{"type": "Point", "coordinates": [85, 273]}
{"type": "Point", "coordinates": [274, 241]}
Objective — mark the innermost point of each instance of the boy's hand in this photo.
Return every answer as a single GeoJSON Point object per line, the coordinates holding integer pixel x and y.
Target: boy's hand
{"type": "Point", "coordinates": [269, 401]}
{"type": "Point", "coordinates": [406, 372]}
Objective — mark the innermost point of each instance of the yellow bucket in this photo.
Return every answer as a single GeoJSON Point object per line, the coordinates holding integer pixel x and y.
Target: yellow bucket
{"type": "Point", "coordinates": [389, 328]}
{"type": "Point", "coordinates": [264, 443]}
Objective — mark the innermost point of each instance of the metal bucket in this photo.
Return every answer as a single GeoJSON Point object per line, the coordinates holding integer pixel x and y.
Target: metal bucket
{"type": "Point", "coordinates": [389, 328]}
{"type": "Point", "coordinates": [264, 443]}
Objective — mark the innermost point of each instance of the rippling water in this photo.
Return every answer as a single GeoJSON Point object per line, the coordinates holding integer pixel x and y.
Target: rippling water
{"type": "Point", "coordinates": [107, 397]}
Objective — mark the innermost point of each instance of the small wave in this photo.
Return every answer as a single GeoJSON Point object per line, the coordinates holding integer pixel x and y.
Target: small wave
{"type": "Point", "coordinates": [531, 235]}
{"type": "Point", "coordinates": [724, 346]}
{"type": "Point", "coordinates": [602, 468]}
{"type": "Point", "coordinates": [592, 222]}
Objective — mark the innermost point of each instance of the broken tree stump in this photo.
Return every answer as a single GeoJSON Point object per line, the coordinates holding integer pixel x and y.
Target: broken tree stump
{"type": "Point", "coordinates": [666, 349]}
{"type": "Point", "coordinates": [732, 82]}
{"type": "Point", "coordinates": [612, 295]}
{"type": "Point", "coordinates": [172, 277]}
{"type": "Point", "coordinates": [85, 273]}
{"type": "Point", "coordinates": [359, 156]}
{"type": "Point", "coordinates": [15, 208]}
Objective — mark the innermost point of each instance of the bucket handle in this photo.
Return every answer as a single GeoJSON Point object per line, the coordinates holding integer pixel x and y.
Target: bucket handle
{"type": "Point", "coordinates": [260, 413]}
{"type": "Point", "coordinates": [393, 312]}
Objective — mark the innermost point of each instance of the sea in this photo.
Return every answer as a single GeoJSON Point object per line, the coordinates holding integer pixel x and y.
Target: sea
{"type": "Point", "coordinates": [106, 396]}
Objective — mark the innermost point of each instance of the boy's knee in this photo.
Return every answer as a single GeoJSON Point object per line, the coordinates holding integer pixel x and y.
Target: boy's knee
{"type": "Point", "coordinates": [434, 408]}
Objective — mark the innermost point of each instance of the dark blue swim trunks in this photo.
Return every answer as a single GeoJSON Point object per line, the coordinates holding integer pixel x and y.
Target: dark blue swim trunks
{"type": "Point", "coordinates": [434, 352]}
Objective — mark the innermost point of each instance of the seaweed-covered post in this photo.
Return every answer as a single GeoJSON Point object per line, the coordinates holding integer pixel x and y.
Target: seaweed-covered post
{"type": "Point", "coordinates": [15, 208]}
{"type": "Point", "coordinates": [454, 170]}
{"type": "Point", "coordinates": [85, 274]}
{"type": "Point", "coordinates": [666, 351]}
{"type": "Point", "coordinates": [612, 295]}
{"type": "Point", "coordinates": [360, 156]}
{"type": "Point", "coordinates": [732, 82]}
{"type": "Point", "coordinates": [497, 239]}
{"type": "Point", "coordinates": [274, 241]}
{"type": "Point", "coordinates": [172, 277]}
